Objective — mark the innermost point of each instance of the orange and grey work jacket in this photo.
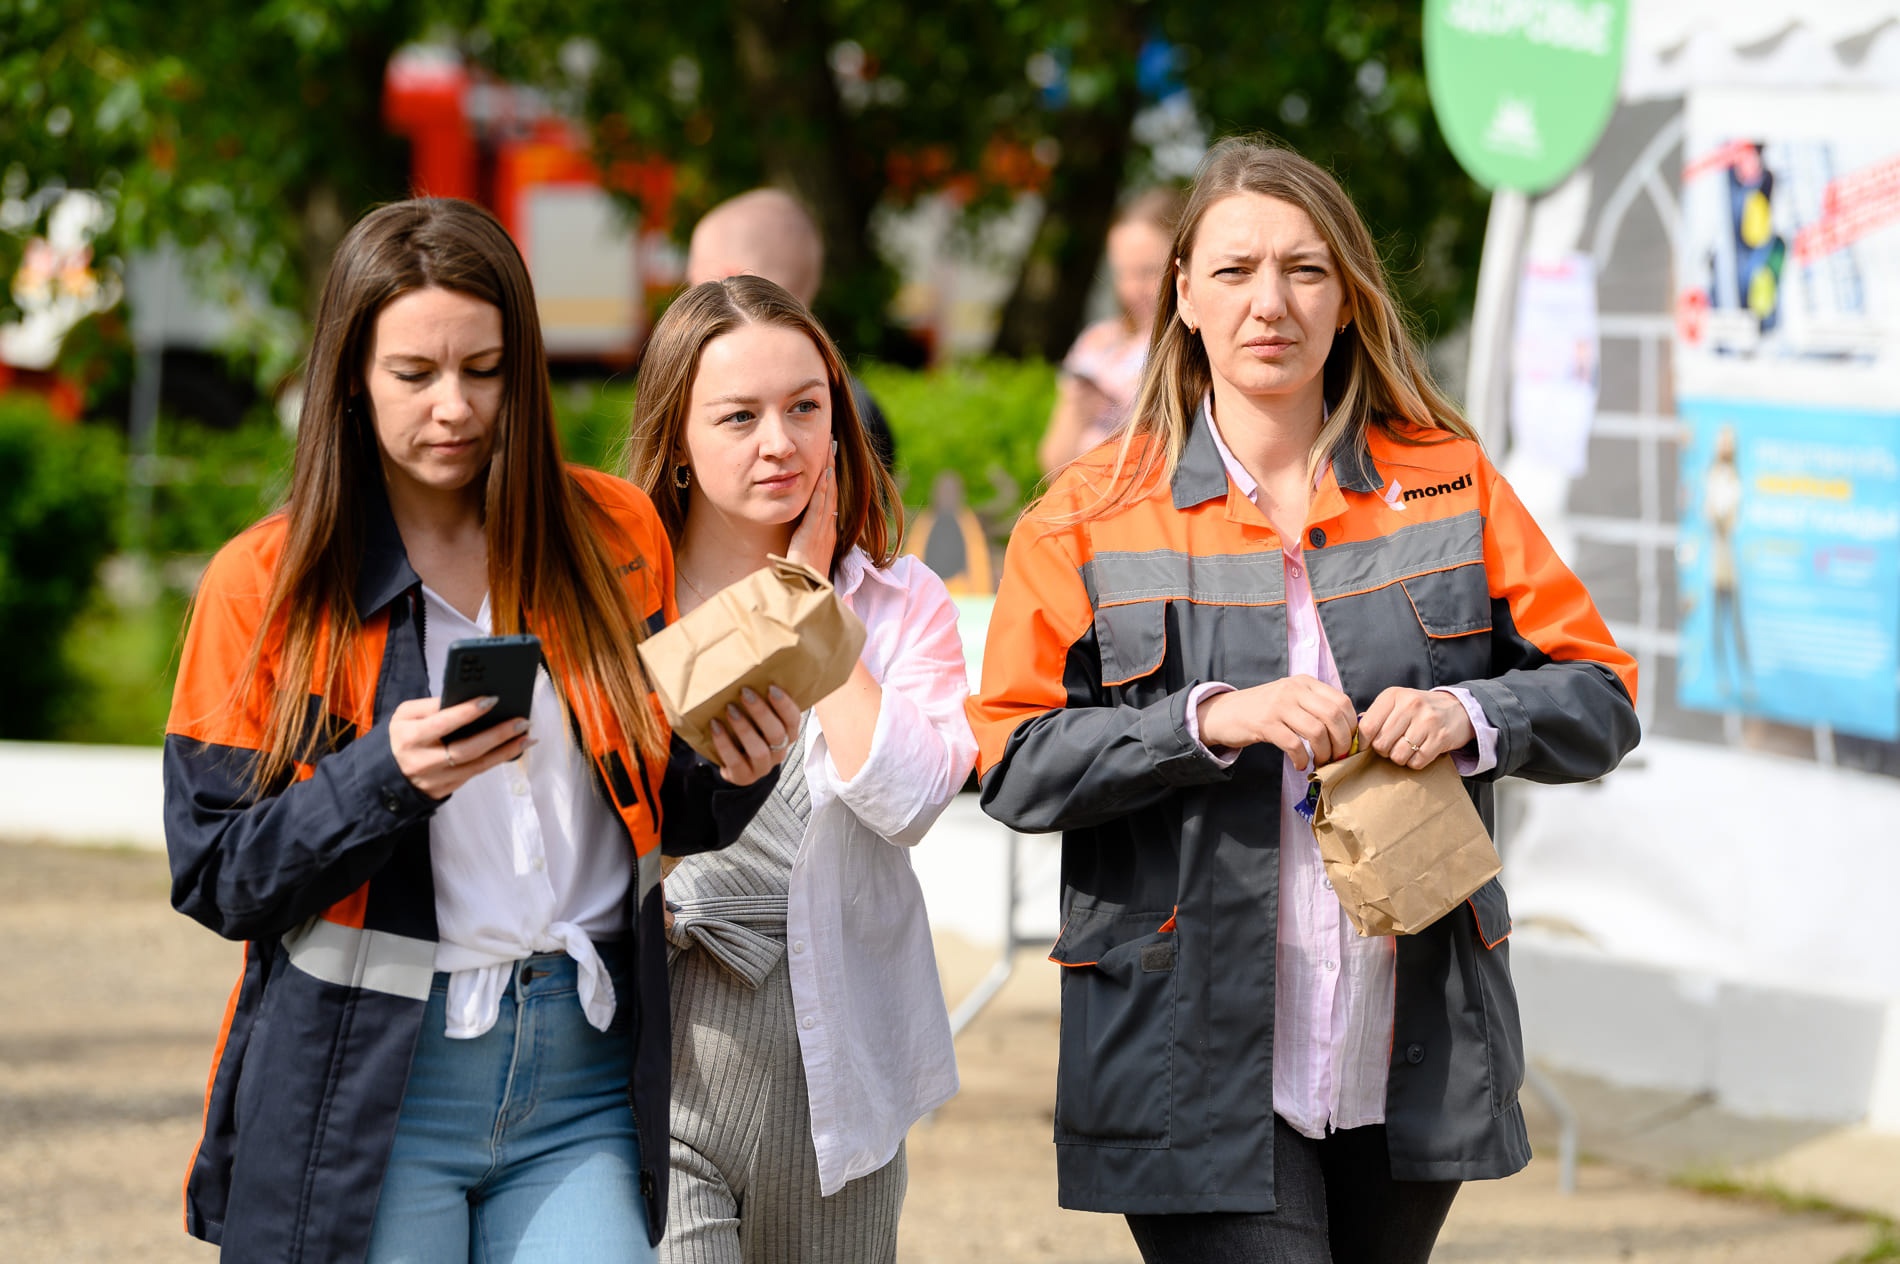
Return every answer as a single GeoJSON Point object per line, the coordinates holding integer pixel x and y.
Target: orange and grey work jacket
{"type": "Point", "coordinates": [1427, 571]}
{"type": "Point", "coordinates": [327, 879]}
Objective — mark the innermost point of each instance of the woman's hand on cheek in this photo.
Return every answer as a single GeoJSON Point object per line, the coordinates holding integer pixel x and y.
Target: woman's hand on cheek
{"type": "Point", "coordinates": [816, 538]}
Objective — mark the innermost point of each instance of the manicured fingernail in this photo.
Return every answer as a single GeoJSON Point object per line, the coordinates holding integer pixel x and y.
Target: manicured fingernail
{"type": "Point", "coordinates": [718, 729]}
{"type": "Point", "coordinates": [779, 695]}
{"type": "Point", "coordinates": [485, 703]}
{"type": "Point", "coordinates": [750, 697]}
{"type": "Point", "coordinates": [521, 726]}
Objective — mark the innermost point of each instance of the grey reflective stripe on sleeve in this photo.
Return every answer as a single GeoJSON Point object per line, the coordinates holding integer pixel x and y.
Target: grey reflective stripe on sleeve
{"type": "Point", "coordinates": [1221, 579]}
{"type": "Point", "coordinates": [647, 876]}
{"type": "Point", "coordinates": [374, 960]}
{"type": "Point", "coordinates": [1365, 564]}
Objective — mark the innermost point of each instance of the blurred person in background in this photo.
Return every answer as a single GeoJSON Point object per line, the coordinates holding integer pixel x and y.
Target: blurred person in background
{"type": "Point", "coordinates": [769, 233]}
{"type": "Point", "coordinates": [449, 1041]}
{"type": "Point", "coordinates": [1096, 389]}
{"type": "Point", "coordinates": [1297, 543]}
{"type": "Point", "coordinates": [809, 1026]}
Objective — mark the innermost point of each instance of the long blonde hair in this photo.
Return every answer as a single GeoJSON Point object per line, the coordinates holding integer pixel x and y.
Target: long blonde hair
{"type": "Point", "coordinates": [1375, 374]}
{"type": "Point", "coordinates": [548, 551]}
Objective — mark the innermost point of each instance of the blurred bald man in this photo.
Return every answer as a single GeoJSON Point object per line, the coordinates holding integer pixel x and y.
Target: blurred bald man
{"type": "Point", "coordinates": [768, 233]}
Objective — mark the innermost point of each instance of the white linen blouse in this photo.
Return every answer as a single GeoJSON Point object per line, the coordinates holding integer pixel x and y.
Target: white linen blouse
{"type": "Point", "coordinates": [873, 1029]}
{"type": "Point", "coordinates": [528, 857]}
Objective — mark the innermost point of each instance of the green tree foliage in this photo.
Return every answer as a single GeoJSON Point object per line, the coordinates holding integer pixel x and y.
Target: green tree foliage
{"type": "Point", "coordinates": [60, 491]}
{"type": "Point", "coordinates": [254, 128]}
{"type": "Point", "coordinates": [855, 104]}
{"type": "Point", "coordinates": [250, 128]}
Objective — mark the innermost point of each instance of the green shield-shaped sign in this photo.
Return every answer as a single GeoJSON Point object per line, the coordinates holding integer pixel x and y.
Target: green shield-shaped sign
{"type": "Point", "coordinates": [1523, 88]}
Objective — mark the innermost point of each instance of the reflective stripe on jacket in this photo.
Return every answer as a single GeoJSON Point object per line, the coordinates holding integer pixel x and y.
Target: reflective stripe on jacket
{"type": "Point", "coordinates": [328, 881]}
{"type": "Point", "coordinates": [1427, 571]}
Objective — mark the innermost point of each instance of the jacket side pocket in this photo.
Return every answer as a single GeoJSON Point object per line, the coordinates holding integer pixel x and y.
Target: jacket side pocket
{"type": "Point", "coordinates": [1115, 1083]}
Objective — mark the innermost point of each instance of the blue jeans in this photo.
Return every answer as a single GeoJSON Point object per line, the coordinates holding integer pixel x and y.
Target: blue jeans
{"type": "Point", "coordinates": [518, 1145]}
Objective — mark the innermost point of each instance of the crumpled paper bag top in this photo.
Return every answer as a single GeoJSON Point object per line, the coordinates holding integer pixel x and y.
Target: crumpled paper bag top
{"type": "Point", "coordinates": [781, 625]}
{"type": "Point", "coordinates": [1402, 847]}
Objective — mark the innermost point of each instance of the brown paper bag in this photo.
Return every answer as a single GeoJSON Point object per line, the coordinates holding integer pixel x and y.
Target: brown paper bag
{"type": "Point", "coordinates": [1402, 848]}
{"type": "Point", "coordinates": [782, 625]}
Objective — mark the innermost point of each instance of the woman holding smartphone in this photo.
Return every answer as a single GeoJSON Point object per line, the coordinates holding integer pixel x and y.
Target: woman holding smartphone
{"type": "Point", "coordinates": [453, 985]}
{"type": "Point", "coordinates": [809, 1025]}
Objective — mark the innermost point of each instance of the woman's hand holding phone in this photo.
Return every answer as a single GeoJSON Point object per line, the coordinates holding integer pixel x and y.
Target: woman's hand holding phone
{"type": "Point", "coordinates": [439, 768]}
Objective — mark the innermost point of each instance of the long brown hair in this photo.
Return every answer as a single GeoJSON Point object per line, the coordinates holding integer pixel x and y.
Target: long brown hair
{"type": "Point", "coordinates": [547, 551]}
{"type": "Point", "coordinates": [1375, 374]}
{"type": "Point", "coordinates": [870, 516]}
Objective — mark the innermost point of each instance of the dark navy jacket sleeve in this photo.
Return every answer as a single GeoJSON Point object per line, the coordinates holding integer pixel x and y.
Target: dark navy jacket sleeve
{"type": "Point", "coordinates": [701, 810]}
{"type": "Point", "coordinates": [250, 867]}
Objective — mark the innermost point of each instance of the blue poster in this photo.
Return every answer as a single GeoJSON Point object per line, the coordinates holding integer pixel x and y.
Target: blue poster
{"type": "Point", "coordinates": [1789, 564]}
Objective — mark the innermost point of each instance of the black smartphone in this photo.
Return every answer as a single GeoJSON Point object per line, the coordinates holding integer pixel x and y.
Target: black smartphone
{"type": "Point", "coordinates": [503, 666]}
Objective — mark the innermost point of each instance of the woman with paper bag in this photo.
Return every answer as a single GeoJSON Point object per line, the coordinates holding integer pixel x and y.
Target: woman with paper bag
{"type": "Point", "coordinates": [809, 1026]}
{"type": "Point", "coordinates": [1296, 537]}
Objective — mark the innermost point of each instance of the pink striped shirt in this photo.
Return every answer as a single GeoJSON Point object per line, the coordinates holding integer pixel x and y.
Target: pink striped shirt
{"type": "Point", "coordinates": [1333, 990]}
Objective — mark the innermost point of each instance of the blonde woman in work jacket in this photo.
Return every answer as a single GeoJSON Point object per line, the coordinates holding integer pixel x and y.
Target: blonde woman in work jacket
{"type": "Point", "coordinates": [1298, 538]}
{"type": "Point", "coordinates": [449, 1040]}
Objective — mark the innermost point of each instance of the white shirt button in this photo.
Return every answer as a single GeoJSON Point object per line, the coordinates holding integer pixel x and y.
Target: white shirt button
{"type": "Point", "coordinates": [539, 864]}
{"type": "Point", "coordinates": [808, 1022]}
{"type": "Point", "coordinates": [1327, 883]}
{"type": "Point", "coordinates": [520, 786]}
{"type": "Point", "coordinates": [1330, 966]}
{"type": "Point", "coordinates": [798, 945]}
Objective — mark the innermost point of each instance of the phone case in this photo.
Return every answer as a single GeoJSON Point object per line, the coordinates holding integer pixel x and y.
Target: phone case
{"type": "Point", "coordinates": [503, 666]}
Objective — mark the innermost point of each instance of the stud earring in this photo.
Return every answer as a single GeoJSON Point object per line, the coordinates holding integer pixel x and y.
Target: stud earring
{"type": "Point", "coordinates": [682, 476]}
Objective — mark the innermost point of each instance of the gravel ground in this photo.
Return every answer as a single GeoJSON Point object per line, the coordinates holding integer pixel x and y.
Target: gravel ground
{"type": "Point", "coordinates": [102, 1071]}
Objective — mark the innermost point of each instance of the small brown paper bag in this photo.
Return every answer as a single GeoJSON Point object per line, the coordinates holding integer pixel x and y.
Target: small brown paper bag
{"type": "Point", "coordinates": [1402, 848]}
{"type": "Point", "coordinates": [782, 625]}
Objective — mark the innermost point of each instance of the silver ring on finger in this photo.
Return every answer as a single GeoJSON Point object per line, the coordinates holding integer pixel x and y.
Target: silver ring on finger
{"type": "Point", "coordinates": [779, 748]}
{"type": "Point", "coordinates": [448, 753]}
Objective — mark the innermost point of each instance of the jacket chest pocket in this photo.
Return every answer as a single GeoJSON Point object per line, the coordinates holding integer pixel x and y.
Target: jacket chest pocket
{"type": "Point", "coordinates": [1115, 1083]}
{"type": "Point", "coordinates": [1132, 642]}
{"type": "Point", "coordinates": [1453, 609]}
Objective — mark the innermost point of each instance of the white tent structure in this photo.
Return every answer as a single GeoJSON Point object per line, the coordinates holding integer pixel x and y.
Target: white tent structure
{"type": "Point", "coordinates": [1717, 916]}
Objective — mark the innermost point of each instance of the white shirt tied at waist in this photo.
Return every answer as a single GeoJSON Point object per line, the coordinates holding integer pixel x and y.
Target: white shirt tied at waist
{"type": "Point", "coordinates": [873, 1030]}
{"type": "Point", "coordinates": [528, 857]}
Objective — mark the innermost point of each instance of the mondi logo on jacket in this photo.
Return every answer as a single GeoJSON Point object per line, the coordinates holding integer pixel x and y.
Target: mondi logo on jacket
{"type": "Point", "coordinates": [1441, 489]}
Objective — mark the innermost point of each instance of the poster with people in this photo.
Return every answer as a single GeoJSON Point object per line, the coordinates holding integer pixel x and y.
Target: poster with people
{"type": "Point", "coordinates": [1789, 565]}
{"type": "Point", "coordinates": [1787, 365]}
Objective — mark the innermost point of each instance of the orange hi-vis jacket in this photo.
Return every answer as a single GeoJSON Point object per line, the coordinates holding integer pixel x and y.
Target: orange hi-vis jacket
{"type": "Point", "coordinates": [1426, 571]}
{"type": "Point", "coordinates": [327, 879]}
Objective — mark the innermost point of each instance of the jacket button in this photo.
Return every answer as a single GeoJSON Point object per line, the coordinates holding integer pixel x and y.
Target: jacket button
{"type": "Point", "coordinates": [1415, 1054]}
{"type": "Point", "coordinates": [1316, 538]}
{"type": "Point", "coordinates": [391, 802]}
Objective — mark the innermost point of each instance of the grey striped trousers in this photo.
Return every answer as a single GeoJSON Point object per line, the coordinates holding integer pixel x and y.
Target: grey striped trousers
{"type": "Point", "coordinates": [744, 1186]}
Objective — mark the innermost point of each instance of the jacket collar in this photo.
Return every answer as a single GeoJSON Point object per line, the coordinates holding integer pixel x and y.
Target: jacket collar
{"type": "Point", "coordinates": [1200, 476]}
{"type": "Point", "coordinates": [384, 573]}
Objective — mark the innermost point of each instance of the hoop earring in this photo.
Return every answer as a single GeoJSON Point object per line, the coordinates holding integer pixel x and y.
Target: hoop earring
{"type": "Point", "coordinates": [682, 476]}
